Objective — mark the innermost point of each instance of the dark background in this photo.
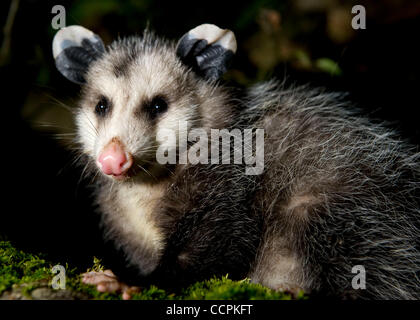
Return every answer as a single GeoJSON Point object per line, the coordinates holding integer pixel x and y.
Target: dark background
{"type": "Point", "coordinates": [46, 207]}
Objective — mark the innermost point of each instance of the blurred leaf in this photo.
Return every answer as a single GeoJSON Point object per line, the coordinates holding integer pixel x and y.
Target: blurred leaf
{"type": "Point", "coordinates": [302, 59]}
{"type": "Point", "coordinates": [329, 66]}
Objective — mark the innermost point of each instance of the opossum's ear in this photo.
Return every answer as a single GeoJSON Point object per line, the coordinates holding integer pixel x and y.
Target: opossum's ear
{"type": "Point", "coordinates": [74, 48]}
{"type": "Point", "coordinates": [208, 50]}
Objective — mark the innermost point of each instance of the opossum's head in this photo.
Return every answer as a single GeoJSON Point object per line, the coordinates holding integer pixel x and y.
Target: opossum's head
{"type": "Point", "coordinates": [137, 88]}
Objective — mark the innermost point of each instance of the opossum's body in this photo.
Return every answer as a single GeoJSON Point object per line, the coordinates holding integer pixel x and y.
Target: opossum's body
{"type": "Point", "coordinates": [337, 191]}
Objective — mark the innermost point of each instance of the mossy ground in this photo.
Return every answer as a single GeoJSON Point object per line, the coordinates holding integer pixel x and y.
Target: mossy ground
{"type": "Point", "coordinates": [28, 272]}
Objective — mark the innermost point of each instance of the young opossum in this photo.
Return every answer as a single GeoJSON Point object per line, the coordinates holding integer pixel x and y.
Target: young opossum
{"type": "Point", "coordinates": [336, 193]}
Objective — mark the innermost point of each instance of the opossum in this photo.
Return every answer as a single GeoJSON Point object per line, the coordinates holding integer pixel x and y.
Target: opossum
{"type": "Point", "coordinates": [337, 193]}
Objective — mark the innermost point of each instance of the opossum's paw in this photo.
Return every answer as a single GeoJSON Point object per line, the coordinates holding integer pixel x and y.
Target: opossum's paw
{"type": "Point", "coordinates": [106, 281]}
{"type": "Point", "coordinates": [294, 291]}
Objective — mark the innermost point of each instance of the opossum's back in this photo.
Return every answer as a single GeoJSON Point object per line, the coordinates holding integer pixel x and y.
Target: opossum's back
{"type": "Point", "coordinates": [346, 189]}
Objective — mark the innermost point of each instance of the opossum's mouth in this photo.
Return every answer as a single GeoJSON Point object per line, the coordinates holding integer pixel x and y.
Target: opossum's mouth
{"type": "Point", "coordinates": [120, 177]}
{"type": "Point", "coordinates": [137, 169]}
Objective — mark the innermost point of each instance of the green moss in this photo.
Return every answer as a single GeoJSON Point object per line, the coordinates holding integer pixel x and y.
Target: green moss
{"type": "Point", "coordinates": [154, 293]}
{"type": "Point", "coordinates": [28, 271]}
{"type": "Point", "coordinates": [225, 288]}
{"type": "Point", "coordinates": [18, 267]}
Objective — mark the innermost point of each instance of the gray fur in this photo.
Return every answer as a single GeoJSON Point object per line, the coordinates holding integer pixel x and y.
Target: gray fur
{"type": "Point", "coordinates": [338, 190]}
{"type": "Point", "coordinates": [360, 189]}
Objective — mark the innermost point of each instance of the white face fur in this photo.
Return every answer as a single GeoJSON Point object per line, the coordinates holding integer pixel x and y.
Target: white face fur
{"type": "Point", "coordinates": [130, 98]}
{"type": "Point", "coordinates": [140, 87]}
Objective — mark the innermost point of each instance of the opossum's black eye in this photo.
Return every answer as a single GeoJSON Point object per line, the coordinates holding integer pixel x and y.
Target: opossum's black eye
{"type": "Point", "coordinates": [102, 108]}
{"type": "Point", "coordinates": [157, 106]}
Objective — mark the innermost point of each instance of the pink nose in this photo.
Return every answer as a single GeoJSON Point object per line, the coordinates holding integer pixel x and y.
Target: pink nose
{"type": "Point", "coordinates": [113, 159]}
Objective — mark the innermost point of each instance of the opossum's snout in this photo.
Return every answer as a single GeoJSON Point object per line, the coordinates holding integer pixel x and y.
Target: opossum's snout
{"type": "Point", "coordinates": [114, 160]}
